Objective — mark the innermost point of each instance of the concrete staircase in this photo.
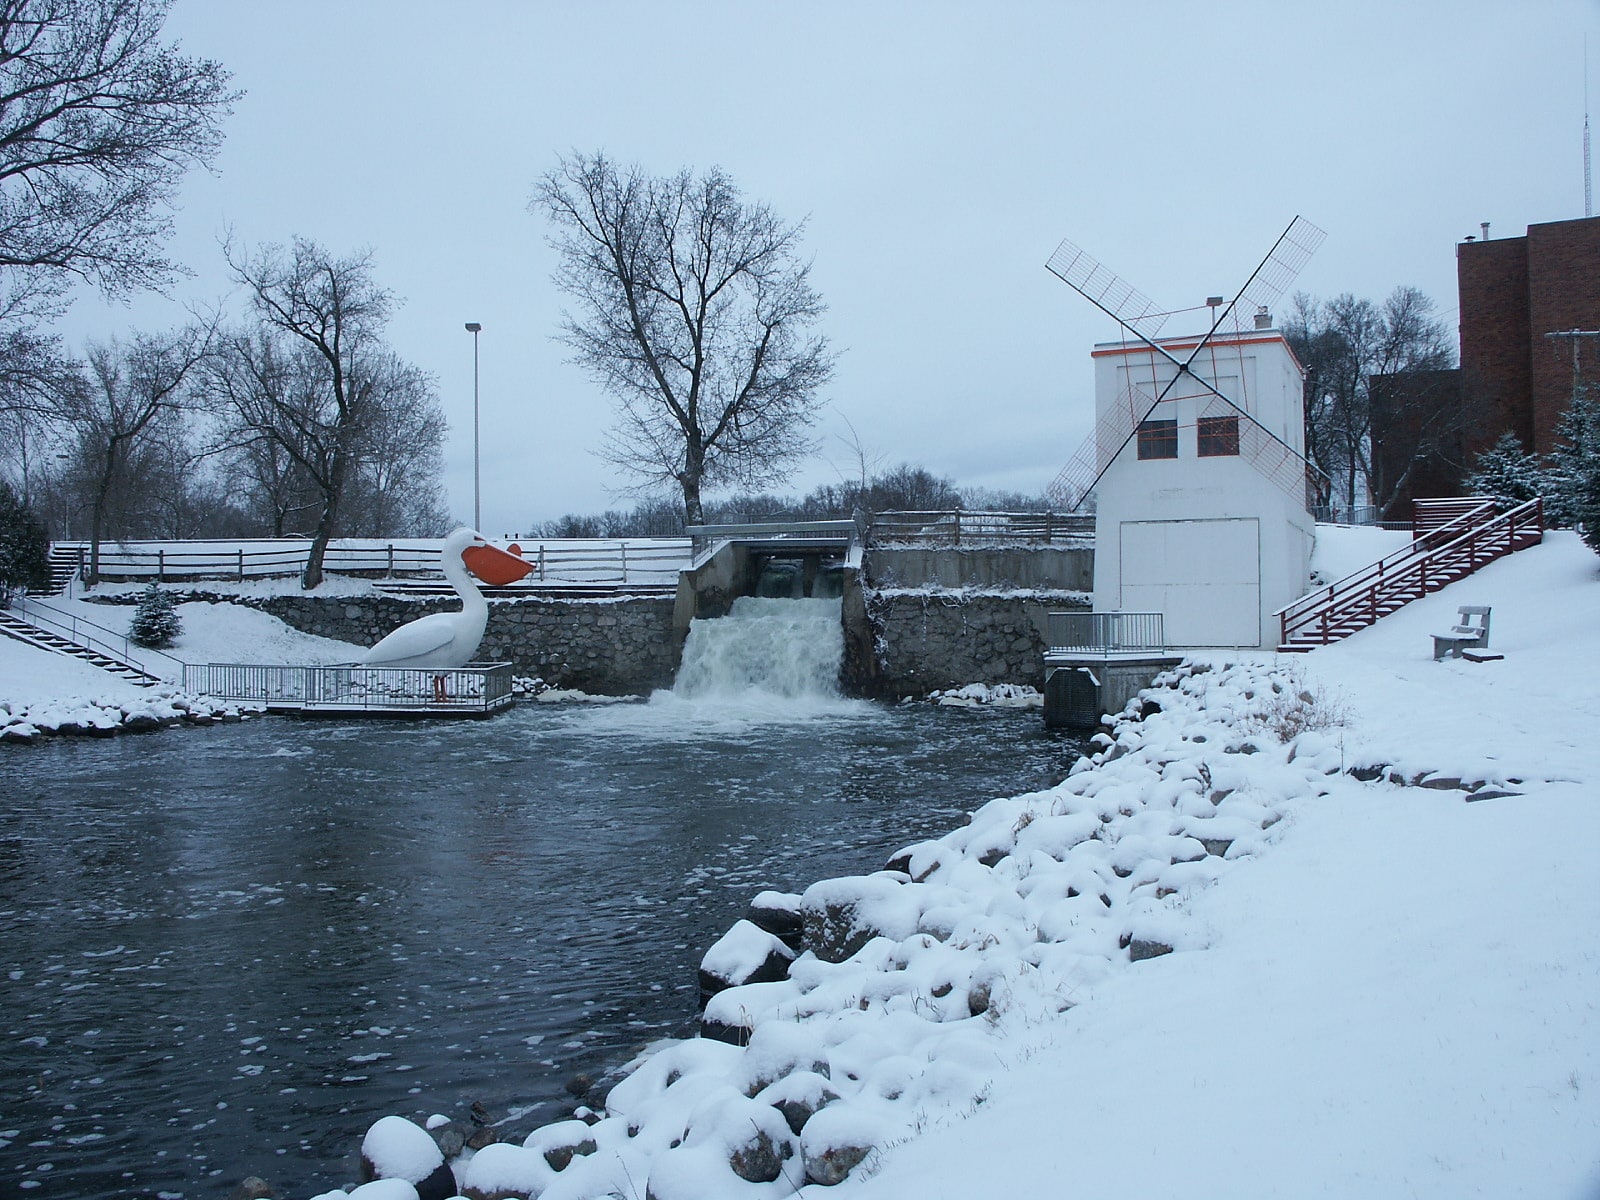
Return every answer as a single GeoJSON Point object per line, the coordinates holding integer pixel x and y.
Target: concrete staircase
{"type": "Point", "coordinates": [72, 638]}
{"type": "Point", "coordinates": [65, 562]}
{"type": "Point", "coordinates": [1453, 539]}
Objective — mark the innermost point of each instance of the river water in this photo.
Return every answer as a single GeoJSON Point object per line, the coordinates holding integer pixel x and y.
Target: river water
{"type": "Point", "coordinates": [230, 949]}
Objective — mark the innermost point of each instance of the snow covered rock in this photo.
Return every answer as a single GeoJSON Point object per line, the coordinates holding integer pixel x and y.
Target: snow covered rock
{"type": "Point", "coordinates": [745, 954]}
{"type": "Point", "coordinates": [398, 1149]}
{"type": "Point", "coordinates": [505, 1171]}
{"type": "Point", "coordinates": [779, 914]}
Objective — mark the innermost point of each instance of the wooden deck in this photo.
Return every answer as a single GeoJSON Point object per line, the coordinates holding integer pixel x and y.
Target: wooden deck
{"type": "Point", "coordinates": [350, 690]}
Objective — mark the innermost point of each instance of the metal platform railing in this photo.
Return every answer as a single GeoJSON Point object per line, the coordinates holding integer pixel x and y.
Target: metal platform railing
{"type": "Point", "coordinates": [1104, 633]}
{"type": "Point", "coordinates": [476, 690]}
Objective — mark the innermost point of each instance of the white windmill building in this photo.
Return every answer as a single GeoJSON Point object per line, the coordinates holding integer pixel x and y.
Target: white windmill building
{"type": "Point", "coordinates": [1197, 463]}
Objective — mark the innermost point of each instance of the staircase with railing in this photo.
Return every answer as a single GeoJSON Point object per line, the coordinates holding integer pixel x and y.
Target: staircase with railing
{"type": "Point", "coordinates": [66, 563]}
{"type": "Point", "coordinates": [1452, 540]}
{"type": "Point", "coordinates": [43, 625]}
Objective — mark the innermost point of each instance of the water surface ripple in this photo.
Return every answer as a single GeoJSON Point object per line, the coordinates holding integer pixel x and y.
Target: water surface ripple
{"type": "Point", "coordinates": [230, 949]}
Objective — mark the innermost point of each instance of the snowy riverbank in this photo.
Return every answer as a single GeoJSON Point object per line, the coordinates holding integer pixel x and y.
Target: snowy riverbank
{"type": "Point", "coordinates": [1382, 976]}
{"type": "Point", "coordinates": [43, 694]}
{"type": "Point", "coordinates": [1316, 923]}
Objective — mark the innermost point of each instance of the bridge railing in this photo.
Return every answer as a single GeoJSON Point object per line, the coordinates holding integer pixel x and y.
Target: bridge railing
{"type": "Point", "coordinates": [955, 527]}
{"type": "Point", "coordinates": [704, 537]}
{"type": "Point", "coordinates": [1105, 633]}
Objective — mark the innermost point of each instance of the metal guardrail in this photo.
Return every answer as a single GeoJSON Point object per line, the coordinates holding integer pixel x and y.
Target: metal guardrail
{"type": "Point", "coordinates": [350, 688]}
{"type": "Point", "coordinates": [953, 527]}
{"type": "Point", "coordinates": [589, 561]}
{"type": "Point", "coordinates": [96, 637]}
{"type": "Point", "coordinates": [1478, 535]}
{"type": "Point", "coordinates": [1105, 633]}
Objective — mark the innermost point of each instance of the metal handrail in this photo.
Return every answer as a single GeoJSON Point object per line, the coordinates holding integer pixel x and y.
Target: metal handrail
{"type": "Point", "coordinates": [113, 645]}
{"type": "Point", "coordinates": [1369, 585]}
{"type": "Point", "coordinates": [842, 530]}
{"type": "Point", "coordinates": [1104, 633]}
{"type": "Point", "coordinates": [1425, 544]}
{"type": "Point", "coordinates": [952, 526]}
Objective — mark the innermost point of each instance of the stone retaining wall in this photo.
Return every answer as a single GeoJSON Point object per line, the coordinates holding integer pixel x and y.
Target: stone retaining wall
{"type": "Point", "coordinates": [928, 640]}
{"type": "Point", "coordinates": [613, 647]}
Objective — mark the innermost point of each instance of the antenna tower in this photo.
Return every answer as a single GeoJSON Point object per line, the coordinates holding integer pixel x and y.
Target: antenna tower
{"type": "Point", "coordinates": [1588, 184]}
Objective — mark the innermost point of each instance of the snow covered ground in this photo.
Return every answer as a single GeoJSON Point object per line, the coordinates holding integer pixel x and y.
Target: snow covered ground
{"type": "Point", "coordinates": [1401, 997]}
{"type": "Point", "coordinates": [1376, 989]}
{"type": "Point", "coordinates": [41, 688]}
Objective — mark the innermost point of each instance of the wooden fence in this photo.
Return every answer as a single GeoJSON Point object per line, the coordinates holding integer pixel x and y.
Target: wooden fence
{"type": "Point", "coordinates": [619, 561]}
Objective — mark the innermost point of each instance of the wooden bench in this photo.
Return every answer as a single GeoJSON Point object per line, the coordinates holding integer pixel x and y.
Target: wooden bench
{"type": "Point", "coordinates": [1471, 632]}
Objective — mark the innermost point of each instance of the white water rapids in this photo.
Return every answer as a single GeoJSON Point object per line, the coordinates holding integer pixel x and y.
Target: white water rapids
{"type": "Point", "coordinates": [783, 648]}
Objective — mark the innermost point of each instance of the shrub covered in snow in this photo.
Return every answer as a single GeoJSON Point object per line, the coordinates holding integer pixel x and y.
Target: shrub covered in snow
{"type": "Point", "coordinates": [155, 622]}
{"type": "Point", "coordinates": [1507, 472]}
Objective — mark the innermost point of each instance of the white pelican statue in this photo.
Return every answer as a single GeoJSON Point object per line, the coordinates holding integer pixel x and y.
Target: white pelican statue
{"type": "Point", "coordinates": [450, 639]}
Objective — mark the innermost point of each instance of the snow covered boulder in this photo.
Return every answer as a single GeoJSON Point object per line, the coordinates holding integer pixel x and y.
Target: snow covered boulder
{"type": "Point", "coordinates": [745, 954]}
{"type": "Point", "coordinates": [504, 1171]}
{"type": "Point", "coordinates": [561, 1142]}
{"type": "Point", "coordinates": [779, 914]}
{"type": "Point", "coordinates": [385, 1189]}
{"type": "Point", "coordinates": [730, 1138]}
{"type": "Point", "coordinates": [398, 1149]}
{"type": "Point", "coordinates": [843, 915]}
{"type": "Point", "coordinates": [837, 1139]}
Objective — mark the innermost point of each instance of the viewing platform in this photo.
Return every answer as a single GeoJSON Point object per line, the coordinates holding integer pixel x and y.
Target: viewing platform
{"type": "Point", "coordinates": [348, 690]}
{"type": "Point", "coordinates": [1094, 663]}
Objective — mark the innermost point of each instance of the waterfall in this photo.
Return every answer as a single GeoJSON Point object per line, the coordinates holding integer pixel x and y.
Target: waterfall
{"type": "Point", "coordinates": [764, 647]}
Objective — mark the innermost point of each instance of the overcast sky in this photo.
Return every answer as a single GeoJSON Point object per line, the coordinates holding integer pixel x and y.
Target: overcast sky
{"type": "Point", "coordinates": [938, 152]}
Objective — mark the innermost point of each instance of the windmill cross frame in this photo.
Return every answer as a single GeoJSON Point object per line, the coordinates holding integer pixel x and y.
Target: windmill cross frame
{"type": "Point", "coordinates": [1130, 309]}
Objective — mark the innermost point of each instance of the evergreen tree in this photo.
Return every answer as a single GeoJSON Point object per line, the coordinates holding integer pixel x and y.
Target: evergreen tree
{"type": "Point", "coordinates": [1575, 469]}
{"type": "Point", "coordinates": [24, 549]}
{"type": "Point", "coordinates": [155, 624]}
{"type": "Point", "coordinates": [1506, 472]}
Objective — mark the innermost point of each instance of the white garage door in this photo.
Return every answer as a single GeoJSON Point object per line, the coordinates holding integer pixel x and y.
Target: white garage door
{"type": "Point", "coordinates": [1204, 575]}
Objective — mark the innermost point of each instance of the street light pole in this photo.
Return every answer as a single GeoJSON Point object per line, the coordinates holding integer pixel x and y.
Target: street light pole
{"type": "Point", "coordinates": [474, 328]}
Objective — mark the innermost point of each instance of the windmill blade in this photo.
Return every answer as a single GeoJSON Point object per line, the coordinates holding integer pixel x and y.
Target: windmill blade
{"type": "Point", "coordinates": [1273, 275]}
{"type": "Point", "coordinates": [1270, 279]}
{"type": "Point", "coordinates": [1074, 482]}
{"type": "Point", "coordinates": [1113, 296]}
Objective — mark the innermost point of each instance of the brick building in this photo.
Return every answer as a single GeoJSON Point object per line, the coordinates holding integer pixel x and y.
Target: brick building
{"type": "Point", "coordinates": [1514, 291]}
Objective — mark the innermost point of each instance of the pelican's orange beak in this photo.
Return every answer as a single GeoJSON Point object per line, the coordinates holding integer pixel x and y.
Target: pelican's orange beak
{"type": "Point", "coordinates": [495, 566]}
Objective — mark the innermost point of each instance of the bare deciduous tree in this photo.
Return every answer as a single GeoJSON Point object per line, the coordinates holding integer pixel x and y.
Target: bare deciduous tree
{"type": "Point", "coordinates": [99, 119]}
{"type": "Point", "coordinates": [126, 393]}
{"type": "Point", "coordinates": [693, 310]}
{"type": "Point", "coordinates": [1366, 438]}
{"type": "Point", "coordinates": [311, 394]}
{"type": "Point", "coordinates": [319, 410]}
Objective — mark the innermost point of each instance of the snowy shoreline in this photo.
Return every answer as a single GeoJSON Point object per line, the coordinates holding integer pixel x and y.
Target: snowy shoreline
{"type": "Point", "coordinates": [27, 724]}
{"type": "Point", "coordinates": [955, 990]}
{"type": "Point", "coordinates": [894, 989]}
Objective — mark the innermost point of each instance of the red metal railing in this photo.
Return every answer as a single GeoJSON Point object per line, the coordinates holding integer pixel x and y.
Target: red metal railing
{"type": "Point", "coordinates": [1436, 557]}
